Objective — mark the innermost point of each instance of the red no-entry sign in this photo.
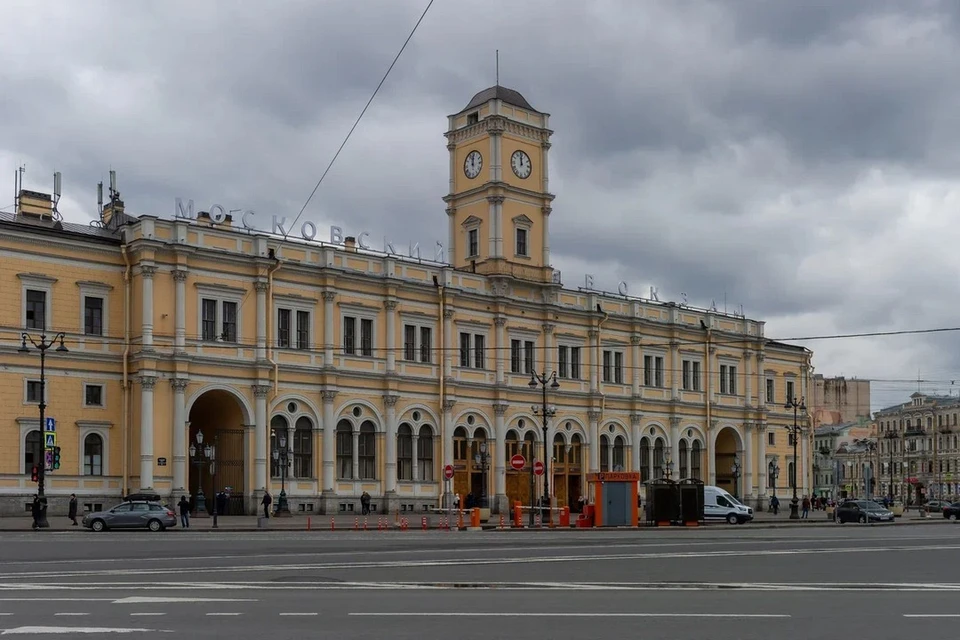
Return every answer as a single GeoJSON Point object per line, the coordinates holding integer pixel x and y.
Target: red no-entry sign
{"type": "Point", "coordinates": [517, 462]}
{"type": "Point", "coordinates": [448, 472]}
{"type": "Point", "coordinates": [538, 468]}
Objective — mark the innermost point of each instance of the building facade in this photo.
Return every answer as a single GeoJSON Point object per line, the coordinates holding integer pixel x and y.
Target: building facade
{"type": "Point", "coordinates": [835, 458]}
{"type": "Point", "coordinates": [839, 400]}
{"type": "Point", "coordinates": [919, 443]}
{"type": "Point", "coordinates": [377, 370]}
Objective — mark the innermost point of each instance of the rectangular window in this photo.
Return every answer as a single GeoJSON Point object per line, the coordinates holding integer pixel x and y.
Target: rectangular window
{"type": "Point", "coordinates": [92, 316]}
{"type": "Point", "coordinates": [409, 342]}
{"type": "Point", "coordinates": [349, 335]}
{"type": "Point", "coordinates": [229, 332]}
{"type": "Point", "coordinates": [366, 337]}
{"type": "Point", "coordinates": [790, 395]}
{"type": "Point", "coordinates": [464, 349]}
{"type": "Point", "coordinates": [690, 375]}
{"type": "Point", "coordinates": [771, 438]}
{"type": "Point", "coordinates": [515, 356]}
{"type": "Point", "coordinates": [529, 357]}
{"type": "Point", "coordinates": [283, 328]}
{"type": "Point", "coordinates": [209, 319]}
{"type": "Point", "coordinates": [36, 309]}
{"type": "Point", "coordinates": [93, 395]}
{"type": "Point", "coordinates": [417, 343]}
{"type": "Point", "coordinates": [607, 368]}
{"type": "Point", "coordinates": [33, 391]}
{"type": "Point", "coordinates": [653, 371]}
{"type": "Point", "coordinates": [479, 350]}
{"type": "Point", "coordinates": [728, 379]}
{"type": "Point", "coordinates": [770, 391]}
{"type": "Point", "coordinates": [473, 242]}
{"type": "Point", "coordinates": [618, 367]}
{"type": "Point", "coordinates": [521, 242]}
{"type": "Point", "coordinates": [426, 345]}
{"type": "Point", "coordinates": [303, 329]}
{"type": "Point", "coordinates": [696, 376]}
{"type": "Point", "coordinates": [563, 362]}
{"type": "Point", "coordinates": [575, 363]}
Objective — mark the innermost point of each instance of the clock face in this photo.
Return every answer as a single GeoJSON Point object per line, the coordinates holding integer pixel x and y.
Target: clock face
{"type": "Point", "coordinates": [520, 162]}
{"type": "Point", "coordinates": [472, 164]}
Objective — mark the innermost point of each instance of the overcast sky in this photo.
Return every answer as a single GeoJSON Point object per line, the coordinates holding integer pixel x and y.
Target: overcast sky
{"type": "Point", "coordinates": [799, 158]}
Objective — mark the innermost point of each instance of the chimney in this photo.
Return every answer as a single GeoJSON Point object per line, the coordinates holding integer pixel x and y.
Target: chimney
{"type": "Point", "coordinates": [35, 204]}
{"type": "Point", "coordinates": [115, 206]}
{"type": "Point", "coordinates": [350, 243]}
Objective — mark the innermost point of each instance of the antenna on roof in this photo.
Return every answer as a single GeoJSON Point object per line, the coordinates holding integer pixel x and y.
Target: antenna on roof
{"type": "Point", "coordinates": [56, 195]}
{"type": "Point", "coordinates": [498, 67]}
{"type": "Point", "coordinates": [100, 198]}
{"type": "Point", "coordinates": [17, 185]}
{"type": "Point", "coordinates": [114, 194]}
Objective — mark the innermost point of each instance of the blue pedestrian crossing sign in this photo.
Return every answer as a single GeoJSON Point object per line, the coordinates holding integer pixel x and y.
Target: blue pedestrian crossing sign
{"type": "Point", "coordinates": [50, 424]}
{"type": "Point", "coordinates": [49, 440]}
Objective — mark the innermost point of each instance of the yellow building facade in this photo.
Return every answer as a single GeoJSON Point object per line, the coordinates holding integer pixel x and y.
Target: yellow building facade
{"type": "Point", "coordinates": [378, 370]}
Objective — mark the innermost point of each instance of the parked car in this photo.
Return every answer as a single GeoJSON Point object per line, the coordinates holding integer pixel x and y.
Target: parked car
{"type": "Point", "coordinates": [862, 511]}
{"type": "Point", "coordinates": [132, 515]}
{"type": "Point", "coordinates": [146, 497]}
{"type": "Point", "coordinates": [952, 511]}
{"type": "Point", "coordinates": [720, 505]}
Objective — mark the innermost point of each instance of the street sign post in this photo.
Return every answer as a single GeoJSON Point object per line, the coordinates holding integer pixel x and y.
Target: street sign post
{"type": "Point", "coordinates": [538, 468]}
{"type": "Point", "coordinates": [518, 462]}
{"type": "Point", "coordinates": [448, 472]}
{"type": "Point", "coordinates": [50, 439]}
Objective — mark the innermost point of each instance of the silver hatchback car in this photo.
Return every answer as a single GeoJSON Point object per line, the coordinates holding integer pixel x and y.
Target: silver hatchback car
{"type": "Point", "coordinates": [132, 515]}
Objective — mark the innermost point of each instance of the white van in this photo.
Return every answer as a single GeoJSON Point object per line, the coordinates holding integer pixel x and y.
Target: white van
{"type": "Point", "coordinates": [720, 505]}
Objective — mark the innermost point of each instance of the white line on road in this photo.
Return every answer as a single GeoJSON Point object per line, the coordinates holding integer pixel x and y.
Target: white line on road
{"type": "Point", "coordinates": [931, 615]}
{"type": "Point", "coordinates": [67, 630]}
{"type": "Point", "coordinates": [71, 613]}
{"type": "Point", "coordinates": [223, 613]}
{"type": "Point", "coordinates": [148, 613]}
{"type": "Point", "coordinates": [587, 614]}
{"type": "Point", "coordinates": [161, 600]}
{"type": "Point", "coordinates": [299, 614]}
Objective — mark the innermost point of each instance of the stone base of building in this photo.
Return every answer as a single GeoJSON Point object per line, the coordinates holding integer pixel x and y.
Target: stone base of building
{"type": "Point", "coordinates": [57, 506]}
{"type": "Point", "coordinates": [500, 504]}
{"type": "Point", "coordinates": [390, 503]}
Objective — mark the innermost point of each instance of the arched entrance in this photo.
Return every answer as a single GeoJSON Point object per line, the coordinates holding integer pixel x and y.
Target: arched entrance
{"type": "Point", "coordinates": [726, 449]}
{"type": "Point", "coordinates": [220, 417]}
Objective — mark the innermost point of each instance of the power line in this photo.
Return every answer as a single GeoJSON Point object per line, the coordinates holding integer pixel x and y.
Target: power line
{"type": "Point", "coordinates": [362, 112]}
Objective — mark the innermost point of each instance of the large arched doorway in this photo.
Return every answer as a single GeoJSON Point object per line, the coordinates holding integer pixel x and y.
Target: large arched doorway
{"type": "Point", "coordinates": [219, 416]}
{"type": "Point", "coordinates": [725, 452]}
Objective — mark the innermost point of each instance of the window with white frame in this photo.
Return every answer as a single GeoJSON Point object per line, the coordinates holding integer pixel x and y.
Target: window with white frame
{"type": "Point", "coordinates": [358, 332]}
{"type": "Point", "coordinates": [690, 375]}
{"type": "Point", "coordinates": [522, 249]}
{"type": "Point", "coordinates": [294, 327]}
{"type": "Point", "coordinates": [728, 379]}
{"type": "Point", "coordinates": [94, 443]}
{"type": "Point", "coordinates": [93, 395]}
{"type": "Point", "coordinates": [473, 350]}
{"type": "Point", "coordinates": [568, 362]}
{"type": "Point", "coordinates": [790, 390]}
{"type": "Point", "coordinates": [771, 391]}
{"type": "Point", "coordinates": [31, 391]}
{"type": "Point", "coordinates": [472, 226]}
{"type": "Point", "coordinates": [612, 366]}
{"type": "Point", "coordinates": [521, 233]}
{"type": "Point", "coordinates": [771, 438]}
{"type": "Point", "coordinates": [36, 291]}
{"type": "Point", "coordinates": [417, 342]}
{"type": "Point", "coordinates": [219, 313]}
{"type": "Point", "coordinates": [93, 307]}
{"type": "Point", "coordinates": [522, 355]}
{"type": "Point", "coordinates": [653, 371]}
{"type": "Point", "coordinates": [93, 454]}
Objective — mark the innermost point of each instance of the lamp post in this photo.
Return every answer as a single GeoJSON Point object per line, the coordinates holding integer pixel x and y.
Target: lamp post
{"type": "Point", "coordinates": [42, 345]}
{"type": "Point", "coordinates": [891, 436]}
{"type": "Point", "coordinates": [776, 478]}
{"type": "Point", "coordinates": [482, 460]}
{"type": "Point", "coordinates": [281, 455]}
{"type": "Point", "coordinates": [667, 466]}
{"type": "Point", "coordinates": [796, 405]}
{"type": "Point", "coordinates": [735, 468]}
{"type": "Point", "coordinates": [200, 455]}
{"type": "Point", "coordinates": [546, 412]}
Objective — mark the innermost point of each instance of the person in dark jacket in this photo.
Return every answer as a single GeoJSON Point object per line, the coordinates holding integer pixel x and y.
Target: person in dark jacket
{"type": "Point", "coordinates": [35, 510]}
{"type": "Point", "coordinates": [266, 502]}
{"type": "Point", "coordinates": [184, 507]}
{"type": "Point", "coordinates": [72, 513]}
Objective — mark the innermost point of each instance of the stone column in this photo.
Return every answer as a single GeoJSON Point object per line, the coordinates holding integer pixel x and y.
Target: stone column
{"type": "Point", "coordinates": [636, 360]}
{"type": "Point", "coordinates": [356, 452]}
{"type": "Point", "coordinates": [260, 392]}
{"type": "Point", "coordinates": [545, 238]}
{"type": "Point", "coordinates": [594, 363]}
{"type": "Point", "coordinates": [146, 273]}
{"type": "Point", "coordinates": [500, 503]}
{"type": "Point", "coordinates": [714, 378]}
{"type": "Point", "coordinates": [762, 463]}
{"type": "Point", "coordinates": [415, 463]}
{"type": "Point", "coordinates": [711, 451]}
{"type": "Point", "coordinates": [675, 446]}
{"type": "Point", "coordinates": [502, 347]}
{"type": "Point", "coordinates": [328, 323]}
{"type": "Point", "coordinates": [391, 307]}
{"type": "Point", "coordinates": [762, 395]}
{"type": "Point", "coordinates": [544, 170]}
{"type": "Point", "coordinates": [329, 444]}
{"type": "Point", "coordinates": [179, 434]}
{"type": "Point", "coordinates": [748, 461]}
{"type": "Point", "coordinates": [675, 369]}
{"type": "Point", "coordinates": [635, 436]}
{"type": "Point", "coordinates": [748, 379]}
{"type": "Point", "coordinates": [594, 418]}
{"type": "Point", "coordinates": [180, 317]}
{"type": "Point", "coordinates": [261, 287]}
{"type": "Point", "coordinates": [448, 428]}
{"type": "Point", "coordinates": [390, 449]}
{"type": "Point", "coordinates": [802, 484]}
{"type": "Point", "coordinates": [448, 343]}
{"type": "Point", "coordinates": [549, 360]}
{"type": "Point", "coordinates": [495, 215]}
{"type": "Point", "coordinates": [146, 430]}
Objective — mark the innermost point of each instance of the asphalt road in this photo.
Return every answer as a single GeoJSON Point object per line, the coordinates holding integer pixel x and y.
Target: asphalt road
{"type": "Point", "coordinates": [823, 582]}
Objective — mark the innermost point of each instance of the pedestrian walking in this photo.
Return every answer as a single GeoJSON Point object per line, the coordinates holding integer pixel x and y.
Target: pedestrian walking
{"type": "Point", "coordinates": [806, 507]}
{"type": "Point", "coordinates": [72, 513]}
{"type": "Point", "coordinates": [184, 508]}
{"type": "Point", "coordinates": [775, 505]}
{"type": "Point", "coordinates": [365, 503]}
{"type": "Point", "coordinates": [35, 510]}
{"type": "Point", "coordinates": [266, 502]}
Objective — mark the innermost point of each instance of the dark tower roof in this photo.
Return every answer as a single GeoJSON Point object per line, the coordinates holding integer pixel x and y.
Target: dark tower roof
{"type": "Point", "coordinates": [497, 92]}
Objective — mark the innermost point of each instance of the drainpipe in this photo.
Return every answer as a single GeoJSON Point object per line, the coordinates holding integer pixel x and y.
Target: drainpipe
{"type": "Point", "coordinates": [598, 363]}
{"type": "Point", "coordinates": [124, 420]}
{"type": "Point", "coordinates": [441, 368]}
{"type": "Point", "coordinates": [709, 392]}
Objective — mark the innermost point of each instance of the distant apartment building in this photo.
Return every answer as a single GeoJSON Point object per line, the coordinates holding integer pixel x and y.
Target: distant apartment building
{"type": "Point", "coordinates": [839, 400]}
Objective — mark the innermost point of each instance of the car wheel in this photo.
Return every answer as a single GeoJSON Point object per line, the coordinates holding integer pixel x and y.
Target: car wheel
{"type": "Point", "coordinates": [732, 519]}
{"type": "Point", "coordinates": [98, 525]}
{"type": "Point", "coordinates": [863, 520]}
{"type": "Point", "coordinates": [155, 525]}
{"type": "Point", "coordinates": [953, 516]}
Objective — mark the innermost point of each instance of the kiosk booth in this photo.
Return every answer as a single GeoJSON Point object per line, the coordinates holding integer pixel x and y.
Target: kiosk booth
{"type": "Point", "coordinates": [614, 498]}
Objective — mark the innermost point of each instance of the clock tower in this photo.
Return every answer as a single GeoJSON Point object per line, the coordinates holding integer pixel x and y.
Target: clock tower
{"type": "Point", "coordinates": [498, 207]}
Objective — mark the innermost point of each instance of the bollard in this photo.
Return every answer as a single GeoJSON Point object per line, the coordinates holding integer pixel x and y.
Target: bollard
{"type": "Point", "coordinates": [333, 525]}
{"type": "Point", "coordinates": [423, 522]}
{"type": "Point", "coordinates": [460, 519]}
{"type": "Point", "coordinates": [475, 518]}
{"type": "Point", "coordinates": [356, 524]}
{"type": "Point", "coordinates": [517, 515]}
{"type": "Point", "coordinates": [365, 524]}
{"type": "Point", "coordinates": [565, 517]}
{"type": "Point", "coordinates": [501, 521]}
{"type": "Point", "coordinates": [537, 521]}
{"type": "Point", "coordinates": [308, 523]}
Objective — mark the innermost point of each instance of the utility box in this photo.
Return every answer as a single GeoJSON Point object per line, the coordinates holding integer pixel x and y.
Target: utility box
{"type": "Point", "coordinates": [615, 498]}
{"type": "Point", "coordinates": [663, 502]}
{"type": "Point", "coordinates": [691, 501]}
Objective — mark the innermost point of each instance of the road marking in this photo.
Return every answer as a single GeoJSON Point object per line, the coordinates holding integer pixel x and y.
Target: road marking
{"type": "Point", "coordinates": [149, 613]}
{"type": "Point", "coordinates": [71, 613]}
{"type": "Point", "coordinates": [53, 599]}
{"type": "Point", "coordinates": [66, 630]}
{"type": "Point", "coordinates": [299, 614]}
{"type": "Point", "coordinates": [588, 614]}
{"type": "Point", "coordinates": [931, 615]}
{"type": "Point", "coordinates": [223, 613]}
{"type": "Point", "coordinates": [161, 600]}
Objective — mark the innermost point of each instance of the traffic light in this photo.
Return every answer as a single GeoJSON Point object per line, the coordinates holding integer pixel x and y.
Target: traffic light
{"type": "Point", "coordinates": [35, 473]}
{"type": "Point", "coordinates": [56, 458]}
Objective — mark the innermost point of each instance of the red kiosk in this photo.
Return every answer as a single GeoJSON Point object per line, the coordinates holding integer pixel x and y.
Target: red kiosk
{"type": "Point", "coordinates": [614, 498]}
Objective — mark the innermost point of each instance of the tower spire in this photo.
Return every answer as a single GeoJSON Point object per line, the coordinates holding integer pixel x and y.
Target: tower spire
{"type": "Point", "coordinates": [498, 67]}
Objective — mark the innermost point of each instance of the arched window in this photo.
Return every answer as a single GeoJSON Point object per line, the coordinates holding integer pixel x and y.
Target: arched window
{"type": "Point", "coordinates": [303, 448]}
{"type": "Point", "coordinates": [31, 450]}
{"type": "Point", "coordinates": [404, 452]}
{"type": "Point", "coordinates": [425, 454]}
{"type": "Point", "coordinates": [576, 450]}
{"type": "Point", "coordinates": [696, 458]}
{"type": "Point", "coordinates": [604, 453]}
{"type": "Point", "coordinates": [93, 455]}
{"type": "Point", "coordinates": [278, 425]}
{"type": "Point", "coordinates": [367, 451]}
{"type": "Point", "coordinates": [460, 445]}
{"type": "Point", "coordinates": [618, 454]}
{"type": "Point", "coordinates": [529, 446]}
{"type": "Point", "coordinates": [683, 469]}
{"type": "Point", "coordinates": [345, 450]}
{"type": "Point", "coordinates": [645, 460]}
{"type": "Point", "coordinates": [511, 448]}
{"type": "Point", "coordinates": [658, 458]}
{"type": "Point", "coordinates": [559, 449]}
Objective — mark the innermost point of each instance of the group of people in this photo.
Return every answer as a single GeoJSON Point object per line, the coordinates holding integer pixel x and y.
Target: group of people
{"type": "Point", "coordinates": [39, 507]}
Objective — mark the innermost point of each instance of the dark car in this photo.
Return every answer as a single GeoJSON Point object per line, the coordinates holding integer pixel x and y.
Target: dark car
{"type": "Point", "coordinates": [132, 515]}
{"type": "Point", "coordinates": [952, 511]}
{"type": "Point", "coordinates": [862, 511]}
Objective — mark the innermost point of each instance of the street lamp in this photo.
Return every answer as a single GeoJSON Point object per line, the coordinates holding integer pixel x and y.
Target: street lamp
{"type": "Point", "coordinates": [482, 460]}
{"type": "Point", "coordinates": [735, 468]}
{"type": "Point", "coordinates": [796, 405]}
{"type": "Point", "coordinates": [546, 412]}
{"type": "Point", "coordinates": [667, 466]}
{"type": "Point", "coordinates": [281, 455]}
{"type": "Point", "coordinates": [776, 478]}
{"type": "Point", "coordinates": [200, 455]}
{"type": "Point", "coordinates": [891, 436]}
{"type": "Point", "coordinates": [41, 461]}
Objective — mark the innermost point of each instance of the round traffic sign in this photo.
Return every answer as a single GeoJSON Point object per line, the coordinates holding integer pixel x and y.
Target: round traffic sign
{"type": "Point", "coordinates": [517, 462]}
{"type": "Point", "coordinates": [448, 472]}
{"type": "Point", "coordinates": [538, 468]}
